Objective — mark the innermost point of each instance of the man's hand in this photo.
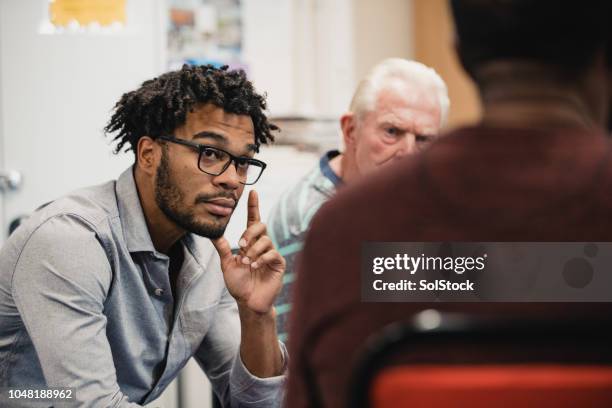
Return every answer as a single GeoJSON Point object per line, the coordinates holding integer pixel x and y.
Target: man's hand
{"type": "Point", "coordinates": [254, 276]}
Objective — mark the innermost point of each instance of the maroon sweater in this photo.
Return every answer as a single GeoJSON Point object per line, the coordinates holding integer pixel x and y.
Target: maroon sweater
{"type": "Point", "coordinates": [474, 184]}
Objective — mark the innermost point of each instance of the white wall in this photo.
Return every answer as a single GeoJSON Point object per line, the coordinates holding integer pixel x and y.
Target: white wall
{"type": "Point", "coordinates": [268, 46]}
{"type": "Point", "coordinates": [381, 29]}
{"type": "Point", "coordinates": [300, 53]}
{"type": "Point", "coordinates": [57, 92]}
{"type": "Point", "coordinates": [308, 55]}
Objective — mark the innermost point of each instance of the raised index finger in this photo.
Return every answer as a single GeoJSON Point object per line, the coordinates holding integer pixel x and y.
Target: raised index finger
{"type": "Point", "coordinates": [253, 208]}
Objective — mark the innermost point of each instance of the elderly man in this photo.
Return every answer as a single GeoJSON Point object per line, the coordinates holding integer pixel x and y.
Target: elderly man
{"type": "Point", "coordinates": [106, 293]}
{"type": "Point", "coordinates": [397, 110]}
{"type": "Point", "coordinates": [537, 168]}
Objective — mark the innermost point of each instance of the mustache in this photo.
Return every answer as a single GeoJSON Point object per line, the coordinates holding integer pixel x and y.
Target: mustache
{"type": "Point", "coordinates": [203, 198]}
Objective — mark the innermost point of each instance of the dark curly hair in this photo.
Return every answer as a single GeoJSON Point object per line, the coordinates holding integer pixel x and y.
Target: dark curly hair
{"type": "Point", "coordinates": [161, 104]}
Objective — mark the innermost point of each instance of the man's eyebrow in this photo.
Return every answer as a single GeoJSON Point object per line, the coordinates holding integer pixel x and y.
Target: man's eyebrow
{"type": "Point", "coordinates": [388, 123]}
{"type": "Point", "coordinates": [249, 148]}
{"type": "Point", "coordinates": [211, 135]}
{"type": "Point", "coordinates": [223, 140]}
{"type": "Point", "coordinates": [406, 129]}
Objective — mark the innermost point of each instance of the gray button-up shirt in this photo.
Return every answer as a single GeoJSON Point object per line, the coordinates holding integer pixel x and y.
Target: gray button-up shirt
{"type": "Point", "coordinates": [86, 303]}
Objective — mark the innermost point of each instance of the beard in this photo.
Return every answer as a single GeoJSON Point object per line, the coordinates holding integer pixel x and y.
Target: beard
{"type": "Point", "coordinates": [170, 199]}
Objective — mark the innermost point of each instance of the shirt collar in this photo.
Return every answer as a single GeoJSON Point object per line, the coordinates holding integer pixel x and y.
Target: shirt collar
{"type": "Point", "coordinates": [131, 216]}
{"type": "Point", "coordinates": [330, 180]}
{"type": "Point", "coordinates": [326, 169]}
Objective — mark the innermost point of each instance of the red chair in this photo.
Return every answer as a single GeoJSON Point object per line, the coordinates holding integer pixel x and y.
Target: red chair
{"type": "Point", "coordinates": [462, 361]}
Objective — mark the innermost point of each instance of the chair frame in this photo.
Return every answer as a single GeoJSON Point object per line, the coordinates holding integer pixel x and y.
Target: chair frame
{"type": "Point", "coordinates": [464, 329]}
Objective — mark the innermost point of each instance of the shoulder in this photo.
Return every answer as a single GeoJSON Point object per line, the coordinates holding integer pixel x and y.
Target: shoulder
{"type": "Point", "coordinates": [77, 225]}
{"type": "Point", "coordinates": [92, 205]}
{"type": "Point", "coordinates": [62, 251]}
{"type": "Point", "coordinates": [291, 215]}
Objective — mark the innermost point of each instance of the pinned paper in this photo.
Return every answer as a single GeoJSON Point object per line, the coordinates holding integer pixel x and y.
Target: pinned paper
{"type": "Point", "coordinates": [86, 12]}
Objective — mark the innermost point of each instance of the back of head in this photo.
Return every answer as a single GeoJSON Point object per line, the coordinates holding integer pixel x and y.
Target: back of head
{"type": "Point", "coordinates": [563, 34]}
{"type": "Point", "coordinates": [411, 72]}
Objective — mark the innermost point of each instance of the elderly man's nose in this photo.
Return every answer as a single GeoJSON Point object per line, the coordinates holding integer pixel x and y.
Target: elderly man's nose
{"type": "Point", "coordinates": [406, 146]}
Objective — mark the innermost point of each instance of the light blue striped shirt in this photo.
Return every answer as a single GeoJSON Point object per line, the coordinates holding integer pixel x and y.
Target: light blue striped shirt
{"type": "Point", "coordinates": [289, 222]}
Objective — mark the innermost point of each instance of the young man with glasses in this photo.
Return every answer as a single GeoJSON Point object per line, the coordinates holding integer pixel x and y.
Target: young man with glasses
{"type": "Point", "coordinates": [110, 290]}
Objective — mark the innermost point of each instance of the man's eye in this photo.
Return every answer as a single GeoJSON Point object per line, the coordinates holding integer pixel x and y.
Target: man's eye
{"type": "Point", "coordinates": [421, 138]}
{"type": "Point", "coordinates": [211, 154]}
{"type": "Point", "coordinates": [393, 131]}
{"type": "Point", "coordinates": [244, 163]}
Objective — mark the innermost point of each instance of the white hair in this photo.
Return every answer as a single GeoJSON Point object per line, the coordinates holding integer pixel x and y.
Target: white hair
{"type": "Point", "coordinates": [412, 72]}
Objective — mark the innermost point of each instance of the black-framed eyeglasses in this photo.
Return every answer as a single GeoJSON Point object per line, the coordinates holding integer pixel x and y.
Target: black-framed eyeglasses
{"type": "Point", "coordinates": [214, 161]}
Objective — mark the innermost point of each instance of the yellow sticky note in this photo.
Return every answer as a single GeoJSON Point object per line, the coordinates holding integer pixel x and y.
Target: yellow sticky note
{"type": "Point", "coordinates": [85, 12]}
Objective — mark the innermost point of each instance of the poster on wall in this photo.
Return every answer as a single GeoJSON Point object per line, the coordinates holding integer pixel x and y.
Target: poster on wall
{"type": "Point", "coordinates": [205, 32]}
{"type": "Point", "coordinates": [85, 13]}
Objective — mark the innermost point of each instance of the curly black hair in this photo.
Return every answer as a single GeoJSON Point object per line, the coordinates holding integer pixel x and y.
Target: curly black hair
{"type": "Point", "coordinates": [161, 104]}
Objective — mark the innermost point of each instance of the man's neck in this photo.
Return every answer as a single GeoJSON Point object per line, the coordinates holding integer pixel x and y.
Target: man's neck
{"type": "Point", "coordinates": [164, 233]}
{"type": "Point", "coordinates": [530, 96]}
{"type": "Point", "coordinates": [535, 108]}
{"type": "Point", "coordinates": [348, 167]}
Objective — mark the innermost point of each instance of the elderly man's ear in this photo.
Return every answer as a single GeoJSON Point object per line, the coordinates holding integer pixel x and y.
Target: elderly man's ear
{"type": "Point", "coordinates": [348, 125]}
{"type": "Point", "coordinates": [148, 153]}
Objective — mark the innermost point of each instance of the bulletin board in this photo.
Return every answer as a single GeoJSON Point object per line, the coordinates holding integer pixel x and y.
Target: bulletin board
{"type": "Point", "coordinates": [205, 32]}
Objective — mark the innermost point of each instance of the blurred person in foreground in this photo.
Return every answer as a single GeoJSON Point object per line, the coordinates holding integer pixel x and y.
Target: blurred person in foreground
{"type": "Point", "coordinates": [111, 289]}
{"type": "Point", "coordinates": [536, 168]}
{"type": "Point", "coordinates": [397, 110]}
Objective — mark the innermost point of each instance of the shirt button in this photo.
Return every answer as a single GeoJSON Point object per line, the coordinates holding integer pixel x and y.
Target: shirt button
{"type": "Point", "coordinates": [159, 292]}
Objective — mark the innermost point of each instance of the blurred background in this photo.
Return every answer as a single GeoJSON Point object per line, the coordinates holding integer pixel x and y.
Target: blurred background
{"type": "Point", "coordinates": [64, 64]}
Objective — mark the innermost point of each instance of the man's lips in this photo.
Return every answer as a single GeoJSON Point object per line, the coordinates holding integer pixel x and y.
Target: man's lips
{"type": "Point", "coordinates": [220, 206]}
